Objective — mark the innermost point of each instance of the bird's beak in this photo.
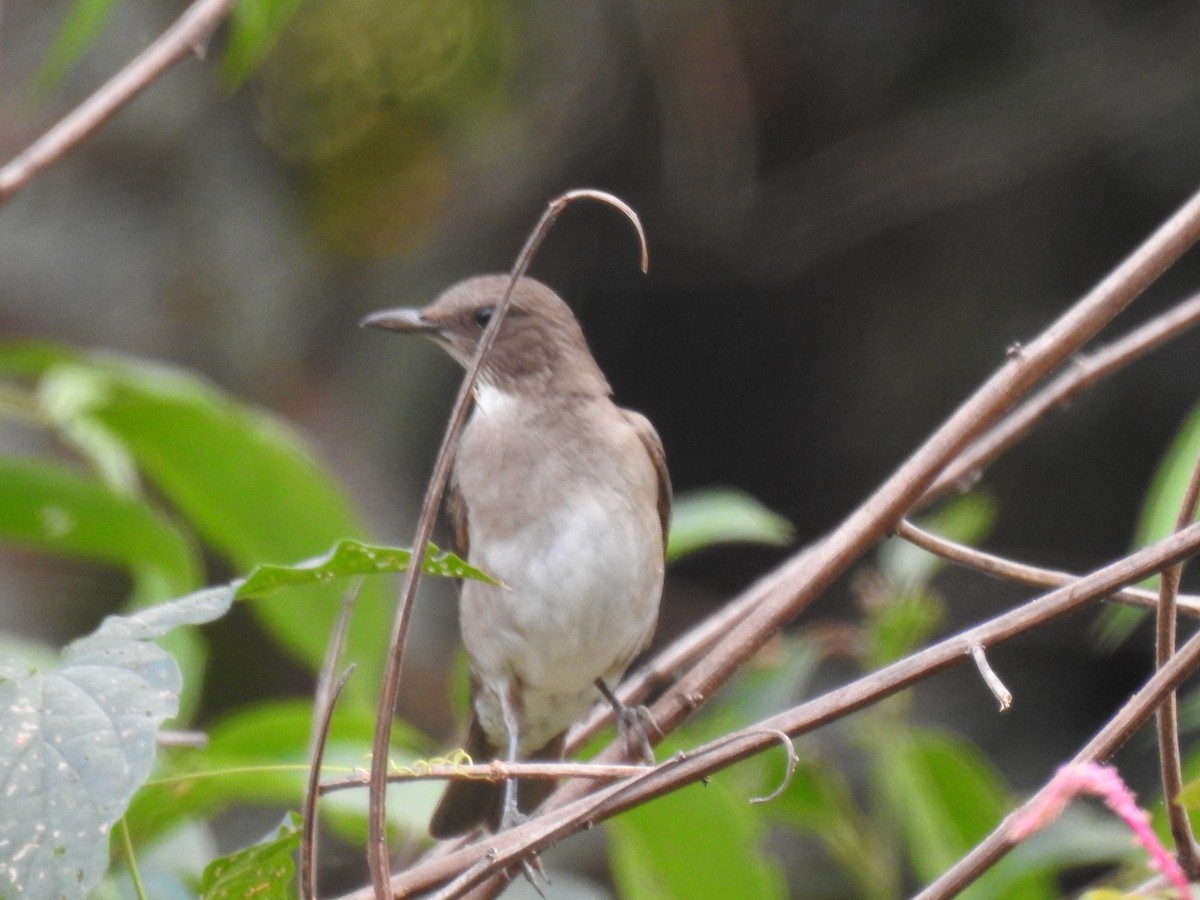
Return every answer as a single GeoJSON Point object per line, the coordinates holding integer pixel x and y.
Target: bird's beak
{"type": "Point", "coordinates": [408, 321]}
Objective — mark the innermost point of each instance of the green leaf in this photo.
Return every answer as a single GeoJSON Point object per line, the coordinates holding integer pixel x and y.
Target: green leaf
{"type": "Point", "coordinates": [1156, 521]}
{"type": "Point", "coordinates": [52, 509]}
{"type": "Point", "coordinates": [83, 25]}
{"type": "Point", "coordinates": [700, 841]}
{"type": "Point", "coordinates": [355, 558]}
{"type": "Point", "coordinates": [77, 741]}
{"type": "Point", "coordinates": [254, 26]}
{"type": "Point", "coordinates": [263, 871]}
{"type": "Point", "coordinates": [897, 624]}
{"type": "Point", "coordinates": [819, 802]}
{"type": "Point", "coordinates": [247, 483]}
{"type": "Point", "coordinates": [31, 359]}
{"type": "Point", "coordinates": [717, 516]}
{"type": "Point", "coordinates": [943, 797]}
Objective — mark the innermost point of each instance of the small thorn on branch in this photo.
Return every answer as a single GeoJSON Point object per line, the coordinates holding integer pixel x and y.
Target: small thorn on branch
{"type": "Point", "coordinates": [1002, 694]}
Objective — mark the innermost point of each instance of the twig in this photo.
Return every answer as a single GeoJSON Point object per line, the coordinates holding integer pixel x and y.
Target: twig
{"type": "Point", "coordinates": [1000, 567]}
{"type": "Point", "coordinates": [377, 851]}
{"type": "Point", "coordinates": [308, 839]}
{"type": "Point", "coordinates": [1168, 714]}
{"type": "Point", "coordinates": [564, 813]}
{"type": "Point", "coordinates": [325, 699]}
{"type": "Point", "coordinates": [1104, 782]}
{"type": "Point", "coordinates": [1084, 373]}
{"type": "Point", "coordinates": [186, 36]}
{"type": "Point", "coordinates": [496, 770]}
{"type": "Point", "coordinates": [1002, 694]}
{"type": "Point", "coordinates": [788, 773]}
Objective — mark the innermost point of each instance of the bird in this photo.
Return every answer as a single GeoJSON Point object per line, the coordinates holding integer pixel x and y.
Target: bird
{"type": "Point", "coordinates": [563, 497]}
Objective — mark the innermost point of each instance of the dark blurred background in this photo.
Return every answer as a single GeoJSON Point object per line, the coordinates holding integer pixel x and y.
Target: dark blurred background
{"type": "Point", "coordinates": [853, 208]}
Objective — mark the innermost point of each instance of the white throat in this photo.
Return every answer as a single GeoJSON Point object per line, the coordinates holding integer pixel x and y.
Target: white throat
{"type": "Point", "coordinates": [492, 401]}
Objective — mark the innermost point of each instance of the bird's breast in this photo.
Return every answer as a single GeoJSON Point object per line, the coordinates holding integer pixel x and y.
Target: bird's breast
{"type": "Point", "coordinates": [566, 518]}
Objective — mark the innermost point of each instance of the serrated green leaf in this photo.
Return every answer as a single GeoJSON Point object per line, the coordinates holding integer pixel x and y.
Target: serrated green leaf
{"type": "Point", "coordinates": [719, 516]}
{"type": "Point", "coordinates": [77, 741]}
{"type": "Point", "coordinates": [263, 871]}
{"type": "Point", "coordinates": [355, 558]}
{"type": "Point", "coordinates": [700, 841]}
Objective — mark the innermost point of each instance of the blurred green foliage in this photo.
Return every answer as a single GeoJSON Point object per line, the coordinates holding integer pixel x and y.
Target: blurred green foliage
{"type": "Point", "coordinates": [138, 466]}
{"type": "Point", "coordinates": [1157, 519]}
{"type": "Point", "coordinates": [145, 464]}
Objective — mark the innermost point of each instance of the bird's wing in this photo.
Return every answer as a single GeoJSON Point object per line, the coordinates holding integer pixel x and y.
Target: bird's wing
{"type": "Point", "coordinates": [456, 517]}
{"type": "Point", "coordinates": [654, 448]}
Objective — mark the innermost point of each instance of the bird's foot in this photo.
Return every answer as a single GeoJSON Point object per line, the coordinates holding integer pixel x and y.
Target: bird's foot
{"type": "Point", "coordinates": [531, 866]}
{"type": "Point", "coordinates": [635, 724]}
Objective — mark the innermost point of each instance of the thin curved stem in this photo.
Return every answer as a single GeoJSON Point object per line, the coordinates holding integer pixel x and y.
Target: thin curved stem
{"type": "Point", "coordinates": [377, 849]}
{"type": "Point", "coordinates": [799, 582]}
{"type": "Point", "coordinates": [1011, 570]}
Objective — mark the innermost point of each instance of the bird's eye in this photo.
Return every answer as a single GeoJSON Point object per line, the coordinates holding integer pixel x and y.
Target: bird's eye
{"type": "Point", "coordinates": [483, 315]}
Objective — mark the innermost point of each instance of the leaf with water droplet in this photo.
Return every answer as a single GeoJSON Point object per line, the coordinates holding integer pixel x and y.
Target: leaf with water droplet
{"type": "Point", "coordinates": [77, 740]}
{"type": "Point", "coordinates": [352, 558]}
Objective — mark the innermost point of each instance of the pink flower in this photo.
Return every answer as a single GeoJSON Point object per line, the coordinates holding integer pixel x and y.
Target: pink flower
{"type": "Point", "coordinates": [1104, 782]}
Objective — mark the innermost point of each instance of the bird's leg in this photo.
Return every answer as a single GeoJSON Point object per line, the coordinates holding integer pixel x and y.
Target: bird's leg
{"type": "Point", "coordinates": [511, 814]}
{"type": "Point", "coordinates": [634, 724]}
{"type": "Point", "coordinates": [531, 867]}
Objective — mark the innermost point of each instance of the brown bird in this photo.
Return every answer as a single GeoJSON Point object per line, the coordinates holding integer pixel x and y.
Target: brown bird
{"type": "Point", "coordinates": [564, 498]}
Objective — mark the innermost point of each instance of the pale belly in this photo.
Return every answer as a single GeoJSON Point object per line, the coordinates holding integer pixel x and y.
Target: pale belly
{"type": "Point", "coordinates": [578, 609]}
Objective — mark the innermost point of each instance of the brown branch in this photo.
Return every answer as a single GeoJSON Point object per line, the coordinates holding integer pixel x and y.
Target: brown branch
{"type": "Point", "coordinates": [1008, 569]}
{"type": "Point", "coordinates": [800, 581]}
{"type": "Point", "coordinates": [562, 818]}
{"type": "Point", "coordinates": [1084, 373]}
{"type": "Point", "coordinates": [1170, 761]}
{"type": "Point", "coordinates": [377, 850]}
{"type": "Point", "coordinates": [186, 36]}
{"type": "Point", "coordinates": [1120, 728]}
{"type": "Point", "coordinates": [790, 589]}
